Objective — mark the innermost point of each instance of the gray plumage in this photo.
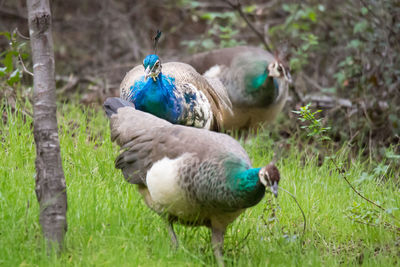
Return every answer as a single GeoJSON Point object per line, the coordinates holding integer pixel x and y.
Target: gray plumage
{"type": "Point", "coordinates": [191, 175]}
{"type": "Point", "coordinates": [256, 86]}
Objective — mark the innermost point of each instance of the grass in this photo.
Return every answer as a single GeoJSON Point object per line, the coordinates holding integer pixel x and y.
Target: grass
{"type": "Point", "coordinates": [109, 224]}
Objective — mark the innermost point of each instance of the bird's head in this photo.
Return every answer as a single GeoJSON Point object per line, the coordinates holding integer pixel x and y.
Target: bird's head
{"type": "Point", "coordinates": [152, 66]}
{"type": "Point", "coordinates": [277, 69]}
{"type": "Point", "coordinates": [269, 176]}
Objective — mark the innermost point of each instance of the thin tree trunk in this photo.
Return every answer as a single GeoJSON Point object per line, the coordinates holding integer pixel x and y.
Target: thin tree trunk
{"type": "Point", "coordinates": [50, 181]}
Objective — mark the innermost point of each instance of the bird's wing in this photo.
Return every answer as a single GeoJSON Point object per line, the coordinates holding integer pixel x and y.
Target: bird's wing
{"type": "Point", "coordinates": [146, 139]}
{"type": "Point", "coordinates": [184, 73]}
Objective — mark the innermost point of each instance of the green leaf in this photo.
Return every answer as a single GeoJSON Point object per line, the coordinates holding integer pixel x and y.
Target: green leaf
{"type": "Point", "coordinates": [312, 16]}
{"type": "Point", "coordinates": [364, 10]}
{"type": "Point", "coordinates": [364, 177]}
{"type": "Point", "coordinates": [208, 16]}
{"type": "Point", "coordinates": [6, 34]}
{"type": "Point", "coordinates": [249, 9]}
{"type": "Point", "coordinates": [390, 210]}
{"type": "Point", "coordinates": [391, 155]}
{"type": "Point", "coordinates": [354, 44]}
{"type": "Point", "coordinates": [8, 62]}
{"type": "Point", "coordinates": [360, 26]}
{"type": "Point", "coordinates": [3, 71]}
{"type": "Point", "coordinates": [14, 77]}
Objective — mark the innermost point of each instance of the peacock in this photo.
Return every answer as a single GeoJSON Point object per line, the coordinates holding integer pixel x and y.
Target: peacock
{"type": "Point", "coordinates": [175, 92]}
{"type": "Point", "coordinates": [255, 81]}
{"type": "Point", "coordinates": [188, 175]}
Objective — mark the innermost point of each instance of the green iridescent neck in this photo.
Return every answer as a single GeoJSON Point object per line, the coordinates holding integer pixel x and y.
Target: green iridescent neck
{"type": "Point", "coordinates": [245, 180]}
{"type": "Point", "coordinates": [256, 76]}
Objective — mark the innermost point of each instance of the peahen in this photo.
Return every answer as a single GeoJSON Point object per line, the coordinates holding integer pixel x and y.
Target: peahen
{"type": "Point", "coordinates": [175, 92]}
{"type": "Point", "coordinates": [189, 175]}
{"type": "Point", "coordinates": [256, 82]}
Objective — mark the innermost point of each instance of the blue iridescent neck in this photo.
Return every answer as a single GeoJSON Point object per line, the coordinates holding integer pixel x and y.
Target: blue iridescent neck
{"type": "Point", "coordinates": [157, 97]}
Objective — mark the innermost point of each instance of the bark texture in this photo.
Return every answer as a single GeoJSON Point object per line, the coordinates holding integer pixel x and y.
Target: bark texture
{"type": "Point", "coordinates": [50, 181]}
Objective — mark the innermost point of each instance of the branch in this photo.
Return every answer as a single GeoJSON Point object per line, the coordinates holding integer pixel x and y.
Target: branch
{"type": "Point", "coordinates": [21, 35]}
{"type": "Point", "coordinates": [343, 174]}
{"type": "Point", "coordinates": [23, 65]}
{"type": "Point", "coordinates": [298, 205]}
{"type": "Point", "coordinates": [238, 8]}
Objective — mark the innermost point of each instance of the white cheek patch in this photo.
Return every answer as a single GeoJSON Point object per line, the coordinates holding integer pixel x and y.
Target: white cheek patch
{"type": "Point", "coordinates": [262, 178]}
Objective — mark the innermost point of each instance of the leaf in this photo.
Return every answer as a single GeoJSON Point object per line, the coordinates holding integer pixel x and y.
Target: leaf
{"type": "Point", "coordinates": [7, 61]}
{"type": "Point", "coordinates": [364, 10]}
{"type": "Point", "coordinates": [354, 44]}
{"type": "Point", "coordinates": [360, 26]}
{"type": "Point", "coordinates": [14, 77]}
{"type": "Point", "coordinates": [312, 16]}
{"type": "Point", "coordinates": [3, 71]}
{"type": "Point", "coordinates": [208, 16]}
{"type": "Point", "coordinates": [390, 210]}
{"type": "Point", "coordinates": [364, 177]}
{"type": "Point", "coordinates": [391, 155]}
{"type": "Point", "coordinates": [6, 34]}
{"type": "Point", "coordinates": [381, 169]}
{"type": "Point", "coordinates": [249, 9]}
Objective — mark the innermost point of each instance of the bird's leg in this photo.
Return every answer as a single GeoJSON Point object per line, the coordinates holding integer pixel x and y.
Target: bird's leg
{"type": "Point", "coordinates": [172, 234]}
{"type": "Point", "coordinates": [217, 241]}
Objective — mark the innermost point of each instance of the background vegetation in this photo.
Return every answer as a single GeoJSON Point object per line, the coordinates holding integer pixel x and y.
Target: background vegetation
{"type": "Point", "coordinates": [345, 60]}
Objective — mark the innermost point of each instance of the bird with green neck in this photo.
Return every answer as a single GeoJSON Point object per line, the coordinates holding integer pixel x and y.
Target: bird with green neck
{"type": "Point", "coordinates": [256, 81]}
{"type": "Point", "coordinates": [187, 175]}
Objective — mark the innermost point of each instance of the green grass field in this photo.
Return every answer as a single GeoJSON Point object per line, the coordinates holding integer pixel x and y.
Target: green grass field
{"type": "Point", "coordinates": [109, 224]}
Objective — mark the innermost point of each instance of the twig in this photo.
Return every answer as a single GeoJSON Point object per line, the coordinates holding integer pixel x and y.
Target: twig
{"type": "Point", "coordinates": [23, 65]}
{"type": "Point", "coordinates": [21, 35]}
{"type": "Point", "coordinates": [241, 242]}
{"type": "Point", "coordinates": [238, 8]}
{"type": "Point", "coordinates": [302, 212]}
{"type": "Point", "coordinates": [343, 174]}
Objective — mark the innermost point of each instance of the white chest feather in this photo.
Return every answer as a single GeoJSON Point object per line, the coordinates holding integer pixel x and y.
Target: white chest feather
{"type": "Point", "coordinates": [165, 192]}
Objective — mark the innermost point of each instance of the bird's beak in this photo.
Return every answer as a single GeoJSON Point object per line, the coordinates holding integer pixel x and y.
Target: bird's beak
{"type": "Point", "coordinates": [147, 73]}
{"type": "Point", "coordinates": [274, 188]}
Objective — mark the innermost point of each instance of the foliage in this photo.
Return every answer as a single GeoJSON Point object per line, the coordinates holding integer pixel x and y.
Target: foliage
{"type": "Point", "coordinates": [351, 49]}
{"type": "Point", "coordinates": [109, 224]}
{"type": "Point", "coordinates": [222, 31]}
{"type": "Point", "coordinates": [314, 125]}
{"type": "Point", "coordinates": [297, 28]}
{"type": "Point", "coordinates": [12, 69]}
{"type": "Point", "coordinates": [358, 213]}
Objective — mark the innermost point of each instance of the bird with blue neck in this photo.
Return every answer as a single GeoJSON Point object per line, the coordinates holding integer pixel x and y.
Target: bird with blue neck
{"type": "Point", "coordinates": [175, 92]}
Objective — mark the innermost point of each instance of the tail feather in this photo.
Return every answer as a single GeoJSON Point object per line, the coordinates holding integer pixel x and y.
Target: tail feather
{"type": "Point", "coordinates": [112, 104]}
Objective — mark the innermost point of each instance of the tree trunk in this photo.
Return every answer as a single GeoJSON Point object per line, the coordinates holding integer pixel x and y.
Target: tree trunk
{"type": "Point", "coordinates": [50, 181]}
